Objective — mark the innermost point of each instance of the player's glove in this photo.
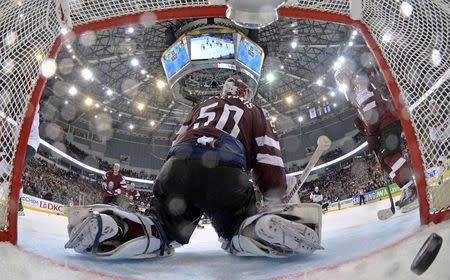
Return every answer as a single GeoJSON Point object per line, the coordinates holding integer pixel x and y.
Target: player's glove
{"type": "Point", "coordinates": [104, 186]}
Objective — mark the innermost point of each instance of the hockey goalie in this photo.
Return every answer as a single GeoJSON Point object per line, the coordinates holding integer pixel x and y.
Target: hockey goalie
{"type": "Point", "coordinates": [207, 172]}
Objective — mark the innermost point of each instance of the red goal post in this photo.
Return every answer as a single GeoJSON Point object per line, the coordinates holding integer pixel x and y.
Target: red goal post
{"type": "Point", "coordinates": [43, 15]}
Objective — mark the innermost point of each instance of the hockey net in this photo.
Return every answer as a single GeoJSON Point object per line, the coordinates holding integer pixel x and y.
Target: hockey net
{"type": "Point", "coordinates": [410, 43]}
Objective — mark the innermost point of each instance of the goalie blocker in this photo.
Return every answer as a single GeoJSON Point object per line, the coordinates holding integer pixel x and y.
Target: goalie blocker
{"type": "Point", "coordinates": [108, 232]}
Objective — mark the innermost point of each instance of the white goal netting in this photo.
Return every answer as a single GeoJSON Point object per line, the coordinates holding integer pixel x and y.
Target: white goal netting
{"type": "Point", "coordinates": [413, 37]}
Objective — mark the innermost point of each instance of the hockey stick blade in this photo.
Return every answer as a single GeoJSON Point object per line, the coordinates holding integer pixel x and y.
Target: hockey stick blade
{"type": "Point", "coordinates": [389, 212]}
{"type": "Point", "coordinates": [385, 214]}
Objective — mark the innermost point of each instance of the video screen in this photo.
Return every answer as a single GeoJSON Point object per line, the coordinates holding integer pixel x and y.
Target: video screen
{"type": "Point", "coordinates": [212, 46]}
{"type": "Point", "coordinates": [176, 57]}
{"type": "Point", "coordinates": [250, 54]}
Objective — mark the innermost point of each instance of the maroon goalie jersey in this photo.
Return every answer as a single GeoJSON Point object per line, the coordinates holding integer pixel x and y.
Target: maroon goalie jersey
{"type": "Point", "coordinates": [251, 126]}
{"type": "Point", "coordinates": [115, 184]}
{"type": "Point", "coordinates": [374, 111]}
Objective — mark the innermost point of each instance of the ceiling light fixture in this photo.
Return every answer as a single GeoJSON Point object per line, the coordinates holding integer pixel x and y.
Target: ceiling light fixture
{"type": "Point", "coordinates": [406, 9]}
{"type": "Point", "coordinates": [48, 68]}
{"type": "Point", "coordinates": [73, 90]}
{"type": "Point", "coordinates": [160, 84]}
{"type": "Point", "coordinates": [289, 99]}
{"type": "Point", "coordinates": [270, 77]}
{"type": "Point", "coordinates": [386, 38]}
{"type": "Point", "coordinates": [293, 44]}
{"type": "Point", "coordinates": [140, 106]}
{"type": "Point", "coordinates": [134, 62]}
{"type": "Point", "coordinates": [88, 101]}
{"type": "Point", "coordinates": [319, 82]}
{"type": "Point", "coordinates": [86, 73]}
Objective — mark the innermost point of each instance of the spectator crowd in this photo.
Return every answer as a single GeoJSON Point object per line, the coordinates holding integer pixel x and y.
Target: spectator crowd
{"type": "Point", "coordinates": [49, 181]}
{"type": "Point", "coordinates": [347, 180]}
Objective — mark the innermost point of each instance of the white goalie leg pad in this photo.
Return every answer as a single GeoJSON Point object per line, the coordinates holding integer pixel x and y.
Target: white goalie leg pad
{"type": "Point", "coordinates": [84, 229]}
{"type": "Point", "coordinates": [244, 246]}
{"type": "Point", "coordinates": [279, 232]}
{"type": "Point", "coordinates": [94, 229]}
{"type": "Point", "coordinates": [288, 235]}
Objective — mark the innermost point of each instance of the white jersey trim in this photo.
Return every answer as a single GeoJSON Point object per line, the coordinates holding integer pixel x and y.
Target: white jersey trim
{"type": "Point", "coordinates": [363, 96]}
{"type": "Point", "coordinates": [266, 140]}
{"type": "Point", "coordinates": [398, 164]}
{"type": "Point", "coordinates": [269, 159]}
{"type": "Point", "coordinates": [370, 106]}
{"type": "Point", "coordinates": [407, 185]}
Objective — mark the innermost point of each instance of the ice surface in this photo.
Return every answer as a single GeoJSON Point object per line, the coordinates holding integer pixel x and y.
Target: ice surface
{"type": "Point", "coordinates": [357, 246]}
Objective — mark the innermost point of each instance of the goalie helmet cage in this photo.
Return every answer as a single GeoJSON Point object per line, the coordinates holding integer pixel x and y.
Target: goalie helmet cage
{"type": "Point", "coordinates": [409, 44]}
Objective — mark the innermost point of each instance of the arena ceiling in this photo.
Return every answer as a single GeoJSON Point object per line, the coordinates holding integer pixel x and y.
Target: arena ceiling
{"type": "Point", "coordinates": [125, 84]}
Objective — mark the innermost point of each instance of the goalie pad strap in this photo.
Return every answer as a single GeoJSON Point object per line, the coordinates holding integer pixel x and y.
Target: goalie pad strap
{"type": "Point", "coordinates": [145, 227]}
{"type": "Point", "coordinates": [163, 237]}
{"type": "Point", "coordinates": [143, 246]}
{"type": "Point", "coordinates": [98, 235]}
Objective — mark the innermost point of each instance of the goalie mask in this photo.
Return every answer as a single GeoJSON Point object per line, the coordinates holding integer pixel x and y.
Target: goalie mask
{"type": "Point", "coordinates": [237, 87]}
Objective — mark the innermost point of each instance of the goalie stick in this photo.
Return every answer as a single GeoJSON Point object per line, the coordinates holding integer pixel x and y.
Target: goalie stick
{"type": "Point", "coordinates": [323, 144]}
{"type": "Point", "coordinates": [385, 214]}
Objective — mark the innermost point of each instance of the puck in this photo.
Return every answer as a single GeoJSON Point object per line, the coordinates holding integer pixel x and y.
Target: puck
{"type": "Point", "coordinates": [426, 254]}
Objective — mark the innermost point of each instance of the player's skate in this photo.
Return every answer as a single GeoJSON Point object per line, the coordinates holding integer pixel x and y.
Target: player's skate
{"type": "Point", "coordinates": [279, 232]}
{"type": "Point", "coordinates": [408, 200]}
{"type": "Point", "coordinates": [109, 232]}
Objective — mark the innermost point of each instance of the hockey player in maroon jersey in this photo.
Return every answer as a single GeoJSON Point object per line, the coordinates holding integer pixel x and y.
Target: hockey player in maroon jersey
{"type": "Point", "coordinates": [113, 184]}
{"type": "Point", "coordinates": [207, 171]}
{"type": "Point", "coordinates": [132, 197]}
{"type": "Point", "coordinates": [378, 120]}
{"type": "Point", "coordinates": [132, 193]}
